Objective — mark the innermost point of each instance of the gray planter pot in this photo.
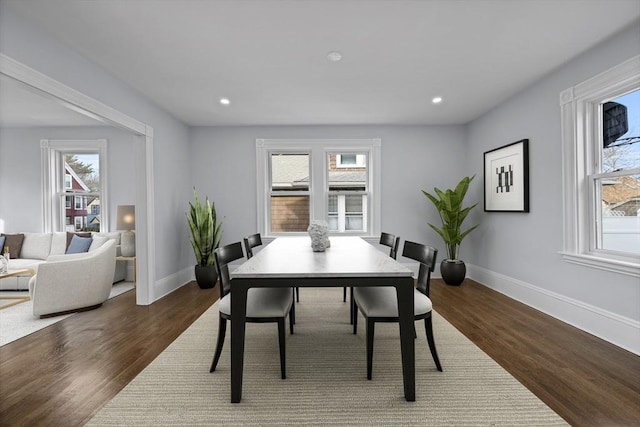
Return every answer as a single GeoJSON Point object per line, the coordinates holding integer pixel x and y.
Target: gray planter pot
{"type": "Point", "coordinates": [453, 271]}
{"type": "Point", "coordinates": [206, 276]}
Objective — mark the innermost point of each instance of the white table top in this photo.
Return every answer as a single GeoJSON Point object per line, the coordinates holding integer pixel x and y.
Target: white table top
{"type": "Point", "coordinates": [292, 257]}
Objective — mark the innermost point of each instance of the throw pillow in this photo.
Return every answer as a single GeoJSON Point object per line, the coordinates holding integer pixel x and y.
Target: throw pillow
{"type": "Point", "coordinates": [14, 242]}
{"type": "Point", "coordinates": [2, 244]}
{"type": "Point", "coordinates": [97, 242]}
{"type": "Point", "coordinates": [79, 245]}
{"type": "Point", "coordinates": [70, 236]}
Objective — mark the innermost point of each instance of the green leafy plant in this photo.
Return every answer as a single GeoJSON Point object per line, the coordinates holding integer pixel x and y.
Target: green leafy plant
{"type": "Point", "coordinates": [449, 206]}
{"type": "Point", "coordinates": [206, 231]}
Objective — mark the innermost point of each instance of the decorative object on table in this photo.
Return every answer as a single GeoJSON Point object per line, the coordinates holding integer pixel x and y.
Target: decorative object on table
{"type": "Point", "coordinates": [506, 178]}
{"type": "Point", "coordinates": [319, 232]}
{"type": "Point", "coordinates": [206, 233]}
{"type": "Point", "coordinates": [452, 214]}
{"type": "Point", "coordinates": [127, 223]}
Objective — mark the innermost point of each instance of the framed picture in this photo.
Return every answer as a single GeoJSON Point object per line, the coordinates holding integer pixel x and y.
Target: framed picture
{"type": "Point", "coordinates": [506, 178]}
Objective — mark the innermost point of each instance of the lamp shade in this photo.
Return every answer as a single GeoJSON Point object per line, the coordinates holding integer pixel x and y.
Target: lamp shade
{"type": "Point", "coordinates": [126, 217]}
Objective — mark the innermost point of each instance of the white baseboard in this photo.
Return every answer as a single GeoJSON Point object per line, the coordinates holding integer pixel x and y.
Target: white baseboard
{"type": "Point", "coordinates": [170, 283]}
{"type": "Point", "coordinates": [611, 327]}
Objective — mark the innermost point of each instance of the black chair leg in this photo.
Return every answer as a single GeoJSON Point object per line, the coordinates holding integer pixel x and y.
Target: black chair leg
{"type": "Point", "coordinates": [298, 294]}
{"type": "Point", "coordinates": [371, 326]}
{"type": "Point", "coordinates": [344, 294]}
{"type": "Point", "coordinates": [292, 318]}
{"type": "Point", "coordinates": [282, 347]}
{"type": "Point", "coordinates": [355, 319]}
{"type": "Point", "coordinates": [222, 330]}
{"type": "Point", "coordinates": [352, 304]}
{"type": "Point", "coordinates": [428, 325]}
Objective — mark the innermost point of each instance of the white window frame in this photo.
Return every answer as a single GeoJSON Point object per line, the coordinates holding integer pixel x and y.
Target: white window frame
{"type": "Point", "coordinates": [580, 110]}
{"type": "Point", "coordinates": [319, 150]}
{"type": "Point", "coordinates": [361, 162]}
{"type": "Point", "coordinates": [52, 152]}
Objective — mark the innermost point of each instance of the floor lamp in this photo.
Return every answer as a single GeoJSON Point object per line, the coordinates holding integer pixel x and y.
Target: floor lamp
{"type": "Point", "coordinates": [127, 222]}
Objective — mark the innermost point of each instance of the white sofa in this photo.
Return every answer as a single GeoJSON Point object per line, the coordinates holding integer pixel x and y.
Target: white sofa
{"type": "Point", "coordinates": [74, 282]}
{"type": "Point", "coordinates": [37, 247]}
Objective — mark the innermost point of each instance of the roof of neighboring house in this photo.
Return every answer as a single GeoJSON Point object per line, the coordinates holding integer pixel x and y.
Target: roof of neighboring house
{"type": "Point", "coordinates": [623, 189]}
{"type": "Point", "coordinates": [291, 171]}
{"type": "Point", "coordinates": [75, 176]}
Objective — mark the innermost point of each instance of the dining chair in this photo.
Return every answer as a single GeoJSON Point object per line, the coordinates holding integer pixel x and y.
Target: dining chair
{"type": "Point", "coordinates": [263, 304]}
{"type": "Point", "coordinates": [251, 242]}
{"type": "Point", "coordinates": [380, 304]}
{"type": "Point", "coordinates": [386, 239]}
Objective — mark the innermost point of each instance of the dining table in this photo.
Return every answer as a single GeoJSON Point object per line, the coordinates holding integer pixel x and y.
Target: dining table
{"type": "Point", "coordinates": [349, 261]}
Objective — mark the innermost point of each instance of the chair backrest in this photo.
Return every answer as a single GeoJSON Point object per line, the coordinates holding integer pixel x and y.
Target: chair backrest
{"type": "Point", "coordinates": [251, 242]}
{"type": "Point", "coordinates": [223, 257]}
{"type": "Point", "coordinates": [391, 241]}
{"type": "Point", "coordinates": [426, 256]}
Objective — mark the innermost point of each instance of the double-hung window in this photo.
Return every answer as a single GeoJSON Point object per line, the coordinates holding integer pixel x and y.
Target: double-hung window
{"type": "Point", "coordinates": [332, 180]}
{"type": "Point", "coordinates": [601, 155]}
{"type": "Point", "coordinates": [74, 185]}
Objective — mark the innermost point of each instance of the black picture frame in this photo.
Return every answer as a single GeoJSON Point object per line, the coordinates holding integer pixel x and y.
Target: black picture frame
{"type": "Point", "coordinates": [506, 178]}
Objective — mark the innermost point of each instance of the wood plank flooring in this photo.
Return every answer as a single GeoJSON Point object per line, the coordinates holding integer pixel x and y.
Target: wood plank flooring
{"type": "Point", "coordinates": [64, 374]}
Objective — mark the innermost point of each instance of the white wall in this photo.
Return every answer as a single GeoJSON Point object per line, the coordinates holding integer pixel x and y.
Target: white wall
{"type": "Point", "coordinates": [223, 160]}
{"type": "Point", "coordinates": [30, 46]}
{"type": "Point", "coordinates": [20, 171]}
{"type": "Point", "coordinates": [518, 253]}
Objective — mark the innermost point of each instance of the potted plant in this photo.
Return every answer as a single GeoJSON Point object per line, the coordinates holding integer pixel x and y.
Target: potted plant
{"type": "Point", "coordinates": [452, 214]}
{"type": "Point", "coordinates": [206, 232]}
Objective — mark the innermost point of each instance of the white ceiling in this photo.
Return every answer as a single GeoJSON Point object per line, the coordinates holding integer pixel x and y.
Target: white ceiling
{"type": "Point", "coordinates": [269, 57]}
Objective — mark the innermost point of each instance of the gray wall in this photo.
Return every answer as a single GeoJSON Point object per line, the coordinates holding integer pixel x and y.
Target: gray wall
{"type": "Point", "coordinates": [223, 160]}
{"type": "Point", "coordinates": [30, 46]}
{"type": "Point", "coordinates": [525, 247]}
{"type": "Point", "coordinates": [20, 171]}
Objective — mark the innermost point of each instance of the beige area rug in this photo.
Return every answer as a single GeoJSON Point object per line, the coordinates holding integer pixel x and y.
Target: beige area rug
{"type": "Point", "coordinates": [326, 378]}
{"type": "Point", "coordinates": [18, 320]}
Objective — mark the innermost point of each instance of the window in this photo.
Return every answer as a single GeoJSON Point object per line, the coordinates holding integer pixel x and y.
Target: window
{"type": "Point", "coordinates": [74, 185]}
{"type": "Point", "coordinates": [333, 180]}
{"type": "Point", "coordinates": [601, 151]}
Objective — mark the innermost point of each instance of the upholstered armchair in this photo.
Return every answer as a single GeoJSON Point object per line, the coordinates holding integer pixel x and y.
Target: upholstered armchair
{"type": "Point", "coordinates": [73, 282]}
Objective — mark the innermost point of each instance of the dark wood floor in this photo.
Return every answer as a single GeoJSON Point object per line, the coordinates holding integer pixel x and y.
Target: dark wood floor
{"type": "Point", "coordinates": [62, 375]}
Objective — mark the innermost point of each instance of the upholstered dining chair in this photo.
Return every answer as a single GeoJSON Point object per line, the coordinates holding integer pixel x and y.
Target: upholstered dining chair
{"type": "Point", "coordinates": [263, 304]}
{"type": "Point", "coordinates": [388, 240]}
{"type": "Point", "coordinates": [380, 304]}
{"type": "Point", "coordinates": [251, 242]}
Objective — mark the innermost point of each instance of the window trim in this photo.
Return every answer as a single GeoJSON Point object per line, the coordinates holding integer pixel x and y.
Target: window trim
{"type": "Point", "coordinates": [579, 107]}
{"type": "Point", "coordinates": [318, 149]}
{"type": "Point", "coordinates": [52, 211]}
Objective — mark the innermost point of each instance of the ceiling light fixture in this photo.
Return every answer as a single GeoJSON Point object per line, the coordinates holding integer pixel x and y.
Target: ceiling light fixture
{"type": "Point", "coordinates": [334, 56]}
{"type": "Point", "coordinates": [225, 101]}
{"type": "Point", "coordinates": [437, 100]}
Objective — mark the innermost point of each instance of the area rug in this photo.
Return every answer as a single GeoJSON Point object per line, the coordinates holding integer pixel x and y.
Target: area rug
{"type": "Point", "coordinates": [18, 320]}
{"type": "Point", "coordinates": [326, 379]}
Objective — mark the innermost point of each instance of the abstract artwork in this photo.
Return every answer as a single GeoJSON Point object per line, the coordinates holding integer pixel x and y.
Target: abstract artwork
{"type": "Point", "coordinates": [506, 178]}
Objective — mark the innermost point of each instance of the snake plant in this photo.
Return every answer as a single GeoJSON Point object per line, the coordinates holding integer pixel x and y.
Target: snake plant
{"type": "Point", "coordinates": [206, 231]}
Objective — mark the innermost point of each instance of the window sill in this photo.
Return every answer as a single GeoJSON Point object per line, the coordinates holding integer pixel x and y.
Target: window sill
{"type": "Point", "coordinates": [616, 266]}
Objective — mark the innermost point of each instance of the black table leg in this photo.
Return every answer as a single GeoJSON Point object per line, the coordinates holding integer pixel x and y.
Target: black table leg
{"type": "Point", "coordinates": [407, 344]}
{"type": "Point", "coordinates": [238, 319]}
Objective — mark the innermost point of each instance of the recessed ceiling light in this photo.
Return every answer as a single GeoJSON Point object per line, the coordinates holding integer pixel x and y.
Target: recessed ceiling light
{"type": "Point", "coordinates": [437, 100]}
{"type": "Point", "coordinates": [225, 101]}
{"type": "Point", "coordinates": [334, 56]}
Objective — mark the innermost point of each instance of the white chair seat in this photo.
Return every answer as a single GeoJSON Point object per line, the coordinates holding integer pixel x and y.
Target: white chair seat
{"type": "Point", "coordinates": [263, 302]}
{"type": "Point", "coordinates": [383, 302]}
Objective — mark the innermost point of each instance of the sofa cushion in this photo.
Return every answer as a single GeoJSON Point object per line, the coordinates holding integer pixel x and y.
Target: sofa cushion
{"type": "Point", "coordinates": [14, 242]}
{"type": "Point", "coordinates": [36, 245]}
{"type": "Point", "coordinates": [70, 236]}
{"type": "Point", "coordinates": [58, 243]}
{"type": "Point", "coordinates": [111, 235]}
{"type": "Point", "coordinates": [97, 242]}
{"type": "Point", "coordinates": [79, 244]}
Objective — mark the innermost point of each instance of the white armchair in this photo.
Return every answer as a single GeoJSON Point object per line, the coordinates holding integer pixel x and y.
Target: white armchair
{"type": "Point", "coordinates": [74, 282]}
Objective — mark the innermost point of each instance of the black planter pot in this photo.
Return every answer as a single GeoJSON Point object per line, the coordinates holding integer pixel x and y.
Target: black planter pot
{"type": "Point", "coordinates": [206, 276]}
{"type": "Point", "coordinates": [453, 271]}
